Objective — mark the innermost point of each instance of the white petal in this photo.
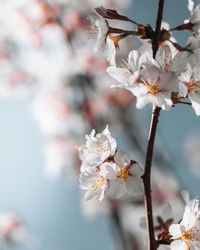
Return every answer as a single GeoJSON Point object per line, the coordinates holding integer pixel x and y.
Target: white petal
{"type": "Point", "coordinates": [117, 189]}
{"type": "Point", "coordinates": [109, 170]}
{"type": "Point", "coordinates": [119, 74]}
{"type": "Point", "coordinates": [164, 56]}
{"type": "Point", "coordinates": [196, 107]}
{"type": "Point", "coordinates": [178, 245]}
{"type": "Point", "coordinates": [134, 186]}
{"type": "Point", "coordinates": [183, 90]}
{"type": "Point", "coordinates": [190, 5]}
{"type": "Point", "coordinates": [175, 231]}
{"type": "Point", "coordinates": [143, 100]}
{"type": "Point", "coordinates": [136, 170]}
{"type": "Point", "coordinates": [122, 158]}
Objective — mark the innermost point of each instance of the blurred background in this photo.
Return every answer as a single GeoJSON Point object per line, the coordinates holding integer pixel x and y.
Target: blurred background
{"type": "Point", "coordinates": [54, 90]}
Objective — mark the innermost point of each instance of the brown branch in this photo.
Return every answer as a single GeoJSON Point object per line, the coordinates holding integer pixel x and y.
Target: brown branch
{"type": "Point", "coordinates": [152, 243]}
{"type": "Point", "coordinates": [156, 39]}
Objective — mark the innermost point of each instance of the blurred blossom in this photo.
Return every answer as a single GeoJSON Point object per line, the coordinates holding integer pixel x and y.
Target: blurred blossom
{"type": "Point", "coordinates": [191, 153]}
{"type": "Point", "coordinates": [12, 229]}
{"type": "Point", "coordinates": [61, 157]}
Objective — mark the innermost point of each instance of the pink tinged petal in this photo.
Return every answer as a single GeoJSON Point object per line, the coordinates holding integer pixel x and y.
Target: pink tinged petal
{"type": "Point", "coordinates": [178, 245]}
{"type": "Point", "coordinates": [183, 90]}
{"type": "Point", "coordinates": [117, 189]}
{"type": "Point", "coordinates": [175, 231]}
{"type": "Point", "coordinates": [196, 107]}
{"type": "Point", "coordinates": [122, 158]}
{"type": "Point", "coordinates": [168, 81]}
{"type": "Point", "coordinates": [109, 170]}
{"type": "Point", "coordinates": [134, 186]}
{"type": "Point", "coordinates": [119, 74]}
{"type": "Point", "coordinates": [150, 74]}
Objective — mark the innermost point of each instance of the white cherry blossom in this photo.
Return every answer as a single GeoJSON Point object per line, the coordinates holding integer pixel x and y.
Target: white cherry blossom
{"type": "Point", "coordinates": [97, 148]}
{"type": "Point", "coordinates": [155, 88]}
{"type": "Point", "coordinates": [128, 74]}
{"type": "Point", "coordinates": [150, 80]}
{"type": "Point", "coordinates": [186, 235]}
{"type": "Point", "coordinates": [123, 175]}
{"type": "Point", "coordinates": [189, 86]}
{"type": "Point", "coordinates": [94, 184]}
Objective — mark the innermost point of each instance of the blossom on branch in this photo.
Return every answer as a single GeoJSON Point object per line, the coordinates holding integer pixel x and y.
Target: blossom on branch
{"type": "Point", "coordinates": [107, 172]}
{"type": "Point", "coordinates": [186, 234]}
{"type": "Point", "coordinates": [97, 148]}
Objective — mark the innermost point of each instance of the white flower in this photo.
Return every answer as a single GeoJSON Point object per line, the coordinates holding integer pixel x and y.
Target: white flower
{"type": "Point", "coordinates": [123, 175]}
{"type": "Point", "coordinates": [186, 235]}
{"type": "Point", "coordinates": [128, 75]}
{"type": "Point", "coordinates": [194, 18]}
{"type": "Point", "coordinates": [190, 86]}
{"type": "Point", "coordinates": [97, 148]}
{"type": "Point", "coordinates": [156, 88]}
{"type": "Point", "coordinates": [99, 26]}
{"type": "Point", "coordinates": [94, 183]}
{"type": "Point", "coordinates": [148, 79]}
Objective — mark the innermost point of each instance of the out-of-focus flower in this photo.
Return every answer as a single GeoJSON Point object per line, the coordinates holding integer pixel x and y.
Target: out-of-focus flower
{"type": "Point", "coordinates": [186, 235]}
{"type": "Point", "coordinates": [12, 228]}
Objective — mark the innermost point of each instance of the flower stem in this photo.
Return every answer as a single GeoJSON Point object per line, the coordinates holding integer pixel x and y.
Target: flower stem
{"type": "Point", "coordinates": [152, 243]}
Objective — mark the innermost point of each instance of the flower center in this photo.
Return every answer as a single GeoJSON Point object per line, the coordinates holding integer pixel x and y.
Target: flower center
{"type": "Point", "coordinates": [100, 147]}
{"type": "Point", "coordinates": [153, 89]}
{"type": "Point", "coordinates": [123, 173]}
{"type": "Point", "coordinates": [95, 183]}
{"type": "Point", "coordinates": [188, 236]}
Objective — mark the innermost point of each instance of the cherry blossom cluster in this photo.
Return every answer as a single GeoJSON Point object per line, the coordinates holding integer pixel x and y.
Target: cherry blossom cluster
{"type": "Point", "coordinates": [106, 171]}
{"type": "Point", "coordinates": [153, 80]}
